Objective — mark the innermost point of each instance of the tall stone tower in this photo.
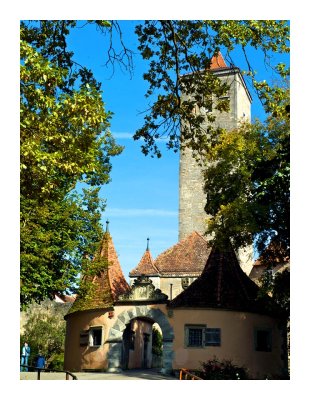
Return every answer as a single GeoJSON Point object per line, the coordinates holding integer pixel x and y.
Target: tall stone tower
{"type": "Point", "coordinates": [192, 198]}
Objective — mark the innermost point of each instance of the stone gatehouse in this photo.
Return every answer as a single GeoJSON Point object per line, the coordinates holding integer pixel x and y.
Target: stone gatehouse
{"type": "Point", "coordinates": [110, 327]}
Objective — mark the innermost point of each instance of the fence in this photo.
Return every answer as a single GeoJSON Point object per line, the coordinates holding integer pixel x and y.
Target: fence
{"type": "Point", "coordinates": [39, 370]}
{"type": "Point", "coordinates": [186, 375]}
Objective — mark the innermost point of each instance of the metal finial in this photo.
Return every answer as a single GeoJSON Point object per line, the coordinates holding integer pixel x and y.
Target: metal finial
{"type": "Point", "coordinates": [107, 226]}
{"type": "Point", "coordinates": [147, 246]}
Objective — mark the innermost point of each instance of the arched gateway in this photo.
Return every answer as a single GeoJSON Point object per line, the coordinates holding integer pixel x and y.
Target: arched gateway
{"type": "Point", "coordinates": [115, 337]}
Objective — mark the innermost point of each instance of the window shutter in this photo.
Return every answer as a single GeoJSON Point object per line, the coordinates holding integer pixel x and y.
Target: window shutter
{"type": "Point", "coordinates": [84, 338]}
{"type": "Point", "coordinates": [212, 337]}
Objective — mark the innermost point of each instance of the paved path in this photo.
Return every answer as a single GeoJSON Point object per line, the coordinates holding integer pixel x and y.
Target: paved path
{"type": "Point", "coordinates": [129, 375]}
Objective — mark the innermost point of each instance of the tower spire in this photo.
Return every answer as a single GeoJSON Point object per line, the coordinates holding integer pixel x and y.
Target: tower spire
{"type": "Point", "coordinates": [148, 244]}
{"type": "Point", "coordinates": [107, 226]}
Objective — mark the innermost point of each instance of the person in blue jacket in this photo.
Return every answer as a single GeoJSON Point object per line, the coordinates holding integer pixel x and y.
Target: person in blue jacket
{"type": "Point", "coordinates": [24, 357]}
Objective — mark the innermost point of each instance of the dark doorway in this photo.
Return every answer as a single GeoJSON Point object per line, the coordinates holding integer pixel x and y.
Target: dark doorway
{"type": "Point", "coordinates": [128, 344]}
{"type": "Point", "coordinates": [146, 343]}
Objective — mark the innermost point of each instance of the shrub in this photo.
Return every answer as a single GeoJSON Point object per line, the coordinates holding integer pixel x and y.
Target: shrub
{"type": "Point", "coordinates": [57, 362]}
{"type": "Point", "coordinates": [157, 342]}
{"type": "Point", "coordinates": [224, 369]}
{"type": "Point", "coordinates": [44, 330]}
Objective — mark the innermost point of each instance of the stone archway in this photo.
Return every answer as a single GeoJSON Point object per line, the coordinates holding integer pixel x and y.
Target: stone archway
{"type": "Point", "coordinates": [116, 336]}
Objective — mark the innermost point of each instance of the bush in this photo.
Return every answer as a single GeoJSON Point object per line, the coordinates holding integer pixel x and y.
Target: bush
{"type": "Point", "coordinates": [57, 362]}
{"type": "Point", "coordinates": [44, 330]}
{"type": "Point", "coordinates": [157, 343]}
{"type": "Point", "coordinates": [225, 369]}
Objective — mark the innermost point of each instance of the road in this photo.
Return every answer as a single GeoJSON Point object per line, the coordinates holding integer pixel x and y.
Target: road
{"type": "Point", "coordinates": [125, 375]}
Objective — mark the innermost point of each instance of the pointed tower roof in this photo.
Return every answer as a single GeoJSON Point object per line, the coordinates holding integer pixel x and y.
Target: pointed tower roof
{"type": "Point", "coordinates": [222, 284]}
{"type": "Point", "coordinates": [188, 257]}
{"type": "Point", "coordinates": [118, 283]}
{"type": "Point", "coordinates": [218, 62]}
{"type": "Point", "coordinates": [103, 281]}
{"type": "Point", "coordinates": [146, 265]}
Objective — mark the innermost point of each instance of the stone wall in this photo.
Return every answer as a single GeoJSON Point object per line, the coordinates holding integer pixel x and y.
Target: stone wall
{"type": "Point", "coordinates": [192, 199]}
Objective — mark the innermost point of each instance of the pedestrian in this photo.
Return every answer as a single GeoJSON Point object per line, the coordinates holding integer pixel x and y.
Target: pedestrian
{"type": "Point", "coordinates": [24, 357]}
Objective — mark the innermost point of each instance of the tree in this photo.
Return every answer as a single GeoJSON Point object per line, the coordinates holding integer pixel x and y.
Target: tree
{"type": "Point", "coordinates": [179, 55]}
{"type": "Point", "coordinates": [247, 170]}
{"type": "Point", "coordinates": [157, 342]}
{"type": "Point", "coordinates": [64, 126]}
{"type": "Point", "coordinates": [44, 330]}
{"type": "Point", "coordinates": [64, 141]}
{"type": "Point", "coordinates": [247, 183]}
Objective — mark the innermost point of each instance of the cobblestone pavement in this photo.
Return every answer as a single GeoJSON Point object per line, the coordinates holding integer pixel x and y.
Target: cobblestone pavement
{"type": "Point", "coordinates": [129, 375]}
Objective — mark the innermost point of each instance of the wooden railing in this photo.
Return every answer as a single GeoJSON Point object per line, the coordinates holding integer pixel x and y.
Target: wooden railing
{"type": "Point", "coordinates": [39, 370]}
{"type": "Point", "coordinates": [186, 375]}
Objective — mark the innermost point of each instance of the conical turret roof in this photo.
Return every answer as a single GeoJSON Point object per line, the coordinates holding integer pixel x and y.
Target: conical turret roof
{"type": "Point", "coordinates": [222, 284]}
{"type": "Point", "coordinates": [218, 62]}
{"type": "Point", "coordinates": [104, 281]}
{"type": "Point", "coordinates": [118, 283]}
{"type": "Point", "coordinates": [146, 266]}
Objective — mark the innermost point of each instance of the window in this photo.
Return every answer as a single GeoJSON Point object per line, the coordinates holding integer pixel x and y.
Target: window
{"type": "Point", "coordinates": [195, 337]}
{"type": "Point", "coordinates": [213, 337]}
{"type": "Point", "coordinates": [201, 336]}
{"type": "Point", "coordinates": [263, 339]}
{"type": "Point", "coordinates": [95, 336]}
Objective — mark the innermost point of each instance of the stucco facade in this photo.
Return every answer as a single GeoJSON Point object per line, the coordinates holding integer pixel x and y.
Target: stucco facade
{"type": "Point", "coordinates": [109, 355]}
{"type": "Point", "coordinates": [237, 339]}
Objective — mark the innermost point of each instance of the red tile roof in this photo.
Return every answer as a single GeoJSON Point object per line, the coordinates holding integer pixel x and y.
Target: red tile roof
{"type": "Point", "coordinates": [104, 281]}
{"type": "Point", "coordinates": [116, 277]}
{"type": "Point", "coordinates": [218, 62]}
{"type": "Point", "coordinates": [146, 266]}
{"type": "Point", "coordinates": [274, 254]}
{"type": "Point", "coordinates": [187, 258]}
{"type": "Point", "coordinates": [222, 284]}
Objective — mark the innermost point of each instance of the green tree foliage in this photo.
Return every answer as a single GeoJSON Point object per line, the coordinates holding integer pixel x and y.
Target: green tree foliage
{"type": "Point", "coordinates": [157, 342]}
{"type": "Point", "coordinates": [247, 170]}
{"type": "Point", "coordinates": [247, 181]}
{"type": "Point", "coordinates": [179, 55]}
{"type": "Point", "coordinates": [278, 286]}
{"type": "Point", "coordinates": [64, 127]}
{"type": "Point", "coordinates": [44, 330]}
{"type": "Point", "coordinates": [64, 141]}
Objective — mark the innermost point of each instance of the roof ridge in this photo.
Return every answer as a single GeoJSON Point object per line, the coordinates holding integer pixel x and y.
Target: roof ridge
{"type": "Point", "coordinates": [181, 242]}
{"type": "Point", "coordinates": [222, 284]}
{"type": "Point", "coordinates": [146, 261]}
{"type": "Point", "coordinates": [148, 252]}
{"type": "Point", "coordinates": [202, 237]}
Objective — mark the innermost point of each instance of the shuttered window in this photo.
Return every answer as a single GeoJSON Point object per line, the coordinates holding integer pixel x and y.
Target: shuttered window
{"type": "Point", "coordinates": [84, 338]}
{"type": "Point", "coordinates": [213, 337]}
{"type": "Point", "coordinates": [263, 339]}
{"type": "Point", "coordinates": [201, 336]}
{"type": "Point", "coordinates": [95, 336]}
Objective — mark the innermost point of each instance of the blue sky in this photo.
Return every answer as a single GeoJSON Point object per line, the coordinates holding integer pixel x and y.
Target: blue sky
{"type": "Point", "coordinates": [142, 197]}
